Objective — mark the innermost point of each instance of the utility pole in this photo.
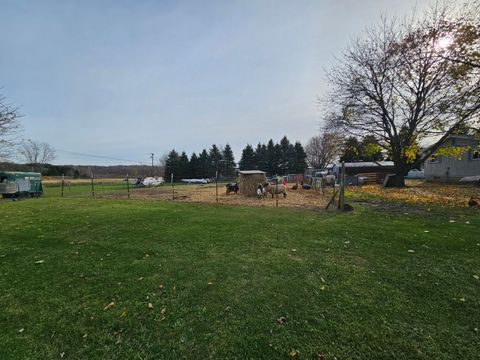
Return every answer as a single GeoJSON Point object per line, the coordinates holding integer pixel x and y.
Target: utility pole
{"type": "Point", "coordinates": [153, 169]}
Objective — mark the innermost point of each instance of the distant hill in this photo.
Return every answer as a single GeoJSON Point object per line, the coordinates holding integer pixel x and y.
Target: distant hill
{"type": "Point", "coordinates": [83, 171]}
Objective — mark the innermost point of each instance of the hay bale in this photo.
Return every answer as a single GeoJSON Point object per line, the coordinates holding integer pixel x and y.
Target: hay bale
{"type": "Point", "coordinates": [248, 181]}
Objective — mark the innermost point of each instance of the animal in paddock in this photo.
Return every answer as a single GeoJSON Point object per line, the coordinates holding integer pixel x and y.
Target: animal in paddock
{"type": "Point", "coordinates": [474, 201]}
{"type": "Point", "coordinates": [232, 187]}
{"type": "Point", "coordinates": [273, 189]}
{"type": "Point", "coordinates": [330, 180]}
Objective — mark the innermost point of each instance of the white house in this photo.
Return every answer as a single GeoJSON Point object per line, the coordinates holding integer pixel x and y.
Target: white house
{"type": "Point", "coordinates": [452, 169]}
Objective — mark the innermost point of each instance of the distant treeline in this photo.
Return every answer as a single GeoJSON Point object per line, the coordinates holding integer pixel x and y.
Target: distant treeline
{"type": "Point", "coordinates": [203, 165]}
{"type": "Point", "coordinates": [83, 171]}
{"type": "Point", "coordinates": [275, 159]}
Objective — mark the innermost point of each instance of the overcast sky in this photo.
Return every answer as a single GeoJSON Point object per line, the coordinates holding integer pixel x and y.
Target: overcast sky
{"type": "Point", "coordinates": [126, 78]}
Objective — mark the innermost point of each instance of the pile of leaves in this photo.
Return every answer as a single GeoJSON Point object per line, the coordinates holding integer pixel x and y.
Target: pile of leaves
{"type": "Point", "coordinates": [421, 192]}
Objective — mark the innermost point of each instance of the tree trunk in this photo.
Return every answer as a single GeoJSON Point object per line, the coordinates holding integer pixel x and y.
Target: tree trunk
{"type": "Point", "coordinates": [399, 180]}
{"type": "Point", "coordinates": [400, 171]}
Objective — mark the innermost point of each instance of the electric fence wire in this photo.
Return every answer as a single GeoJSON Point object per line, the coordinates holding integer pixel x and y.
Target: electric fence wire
{"type": "Point", "coordinates": [79, 154]}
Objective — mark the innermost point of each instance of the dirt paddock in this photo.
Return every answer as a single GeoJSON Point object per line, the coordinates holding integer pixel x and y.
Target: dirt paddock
{"type": "Point", "coordinates": [206, 194]}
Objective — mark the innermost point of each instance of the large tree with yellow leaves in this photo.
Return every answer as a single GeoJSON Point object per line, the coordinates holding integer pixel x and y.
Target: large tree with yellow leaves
{"type": "Point", "coordinates": [408, 82]}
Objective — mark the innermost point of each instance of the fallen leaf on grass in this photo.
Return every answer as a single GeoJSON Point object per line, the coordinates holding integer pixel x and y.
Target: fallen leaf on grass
{"type": "Point", "coordinates": [320, 356]}
{"type": "Point", "coordinates": [39, 262]}
{"type": "Point", "coordinates": [426, 231]}
{"type": "Point", "coordinates": [109, 306]}
{"type": "Point", "coordinates": [21, 330]}
{"type": "Point", "coordinates": [294, 250]}
{"type": "Point", "coordinates": [411, 251]}
{"type": "Point", "coordinates": [150, 305]}
{"type": "Point", "coordinates": [84, 336]}
{"type": "Point", "coordinates": [294, 353]}
{"type": "Point", "coordinates": [140, 278]}
{"type": "Point", "coordinates": [322, 287]}
{"type": "Point", "coordinates": [62, 354]}
{"type": "Point", "coordinates": [210, 283]}
{"type": "Point", "coordinates": [161, 286]}
{"type": "Point", "coordinates": [282, 320]}
{"type": "Point", "coordinates": [476, 277]}
{"type": "Point", "coordinates": [123, 314]}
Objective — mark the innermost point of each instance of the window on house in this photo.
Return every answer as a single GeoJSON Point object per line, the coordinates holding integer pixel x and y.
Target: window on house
{"type": "Point", "coordinates": [434, 159]}
{"type": "Point", "coordinates": [475, 154]}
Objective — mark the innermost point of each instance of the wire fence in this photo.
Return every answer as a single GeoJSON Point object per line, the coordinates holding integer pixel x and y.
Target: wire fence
{"type": "Point", "coordinates": [316, 197]}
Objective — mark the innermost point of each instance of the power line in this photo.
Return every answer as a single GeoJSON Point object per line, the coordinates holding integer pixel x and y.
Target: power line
{"type": "Point", "coordinates": [99, 156]}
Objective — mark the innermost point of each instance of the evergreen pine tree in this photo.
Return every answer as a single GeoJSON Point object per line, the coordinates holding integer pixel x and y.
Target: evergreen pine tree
{"type": "Point", "coordinates": [301, 158]}
{"type": "Point", "coordinates": [291, 165]}
{"type": "Point", "coordinates": [195, 167]}
{"type": "Point", "coordinates": [228, 168]}
{"type": "Point", "coordinates": [351, 150]}
{"type": "Point", "coordinates": [183, 166]}
{"type": "Point", "coordinates": [214, 156]}
{"type": "Point", "coordinates": [271, 158]}
{"type": "Point", "coordinates": [204, 164]}
{"type": "Point", "coordinates": [171, 164]}
{"type": "Point", "coordinates": [247, 162]}
{"type": "Point", "coordinates": [277, 156]}
{"type": "Point", "coordinates": [261, 157]}
{"type": "Point", "coordinates": [283, 160]}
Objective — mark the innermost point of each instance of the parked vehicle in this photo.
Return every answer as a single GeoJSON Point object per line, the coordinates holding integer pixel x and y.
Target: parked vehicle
{"type": "Point", "coordinates": [196, 181]}
{"type": "Point", "coordinates": [137, 181]}
{"type": "Point", "coordinates": [153, 181]}
{"type": "Point", "coordinates": [471, 180]}
{"type": "Point", "coordinates": [19, 184]}
{"type": "Point", "coordinates": [415, 174]}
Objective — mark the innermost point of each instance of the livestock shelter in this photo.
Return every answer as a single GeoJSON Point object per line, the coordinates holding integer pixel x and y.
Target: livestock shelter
{"type": "Point", "coordinates": [364, 172]}
{"type": "Point", "coordinates": [453, 168]}
{"type": "Point", "coordinates": [248, 181]}
{"type": "Point", "coordinates": [16, 183]}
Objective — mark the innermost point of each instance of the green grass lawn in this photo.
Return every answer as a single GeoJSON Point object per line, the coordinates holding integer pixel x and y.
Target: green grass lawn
{"type": "Point", "coordinates": [370, 284]}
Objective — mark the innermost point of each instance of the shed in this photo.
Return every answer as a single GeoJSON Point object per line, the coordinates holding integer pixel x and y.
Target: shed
{"type": "Point", "coordinates": [371, 171]}
{"type": "Point", "coordinates": [248, 181]}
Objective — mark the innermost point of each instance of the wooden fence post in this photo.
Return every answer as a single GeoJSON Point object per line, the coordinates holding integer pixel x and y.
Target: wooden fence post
{"type": "Point", "coordinates": [216, 185]}
{"type": "Point", "coordinates": [276, 192]}
{"type": "Point", "coordinates": [341, 198]}
{"type": "Point", "coordinates": [128, 187]}
{"type": "Point", "coordinates": [93, 189]}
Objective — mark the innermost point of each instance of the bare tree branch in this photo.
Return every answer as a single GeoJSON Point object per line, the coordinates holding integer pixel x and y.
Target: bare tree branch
{"type": "Point", "coordinates": [34, 152]}
{"type": "Point", "coordinates": [9, 127]}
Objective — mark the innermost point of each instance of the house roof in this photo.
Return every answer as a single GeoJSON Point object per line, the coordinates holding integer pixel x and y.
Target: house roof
{"type": "Point", "coordinates": [251, 172]}
{"type": "Point", "coordinates": [466, 137]}
{"type": "Point", "coordinates": [361, 164]}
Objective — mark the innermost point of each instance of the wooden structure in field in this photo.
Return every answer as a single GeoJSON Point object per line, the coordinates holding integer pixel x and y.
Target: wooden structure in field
{"type": "Point", "coordinates": [370, 172]}
{"type": "Point", "coordinates": [18, 184]}
{"type": "Point", "coordinates": [248, 181]}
